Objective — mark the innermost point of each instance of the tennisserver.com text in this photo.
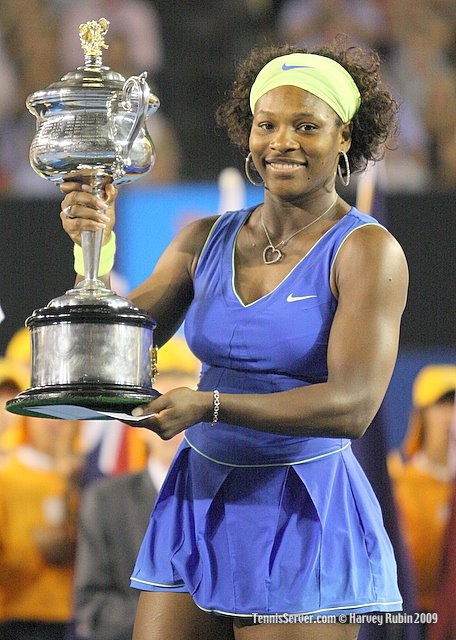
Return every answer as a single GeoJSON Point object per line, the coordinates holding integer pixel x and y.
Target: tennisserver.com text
{"type": "Point", "coordinates": [352, 618]}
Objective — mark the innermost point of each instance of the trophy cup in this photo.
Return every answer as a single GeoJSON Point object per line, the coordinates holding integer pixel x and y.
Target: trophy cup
{"type": "Point", "coordinates": [91, 347]}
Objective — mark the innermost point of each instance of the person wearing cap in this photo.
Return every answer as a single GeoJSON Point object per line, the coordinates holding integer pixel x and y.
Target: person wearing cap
{"type": "Point", "coordinates": [40, 469]}
{"type": "Point", "coordinates": [114, 515]}
{"type": "Point", "coordinates": [422, 472]}
{"type": "Point", "coordinates": [14, 378]}
{"type": "Point", "coordinates": [38, 505]}
{"type": "Point", "coordinates": [294, 307]}
{"type": "Point", "coordinates": [19, 347]}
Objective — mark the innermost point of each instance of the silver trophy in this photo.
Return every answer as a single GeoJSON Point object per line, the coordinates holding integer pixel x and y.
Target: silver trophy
{"type": "Point", "coordinates": [91, 347]}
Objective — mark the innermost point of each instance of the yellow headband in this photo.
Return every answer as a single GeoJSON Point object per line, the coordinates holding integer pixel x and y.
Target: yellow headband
{"type": "Point", "coordinates": [321, 76]}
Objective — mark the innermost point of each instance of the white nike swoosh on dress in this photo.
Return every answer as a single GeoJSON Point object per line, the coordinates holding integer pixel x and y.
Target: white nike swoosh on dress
{"type": "Point", "coordinates": [292, 298]}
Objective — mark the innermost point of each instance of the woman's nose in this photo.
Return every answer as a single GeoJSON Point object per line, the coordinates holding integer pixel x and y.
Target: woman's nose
{"type": "Point", "coordinates": [284, 139]}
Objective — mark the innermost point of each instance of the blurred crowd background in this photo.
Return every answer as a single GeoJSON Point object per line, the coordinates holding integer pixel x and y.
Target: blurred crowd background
{"type": "Point", "coordinates": [190, 51]}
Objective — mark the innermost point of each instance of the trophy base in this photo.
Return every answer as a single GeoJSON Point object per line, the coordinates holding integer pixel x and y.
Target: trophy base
{"type": "Point", "coordinates": [100, 398]}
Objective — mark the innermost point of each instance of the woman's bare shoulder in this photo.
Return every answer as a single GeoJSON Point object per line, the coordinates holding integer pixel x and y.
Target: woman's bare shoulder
{"type": "Point", "coordinates": [372, 255]}
{"type": "Point", "coordinates": [193, 236]}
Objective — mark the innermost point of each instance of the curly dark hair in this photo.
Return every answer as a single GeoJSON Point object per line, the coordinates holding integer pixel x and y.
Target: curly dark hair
{"type": "Point", "coordinates": [373, 125]}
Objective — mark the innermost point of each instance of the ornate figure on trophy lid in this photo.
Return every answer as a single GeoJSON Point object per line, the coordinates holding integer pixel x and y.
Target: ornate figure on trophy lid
{"type": "Point", "coordinates": [90, 347]}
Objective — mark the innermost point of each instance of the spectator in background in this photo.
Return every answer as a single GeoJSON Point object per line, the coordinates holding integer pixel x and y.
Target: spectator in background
{"type": "Point", "coordinates": [39, 486]}
{"type": "Point", "coordinates": [7, 103]}
{"type": "Point", "coordinates": [422, 67]}
{"type": "Point", "coordinates": [311, 23]}
{"type": "Point", "coordinates": [415, 38]}
{"type": "Point", "coordinates": [29, 30]}
{"type": "Point", "coordinates": [13, 379]}
{"type": "Point", "coordinates": [422, 472]}
{"type": "Point", "coordinates": [406, 167]}
{"type": "Point", "coordinates": [19, 349]}
{"type": "Point", "coordinates": [38, 503]}
{"type": "Point", "coordinates": [44, 47]}
{"type": "Point", "coordinates": [114, 517]}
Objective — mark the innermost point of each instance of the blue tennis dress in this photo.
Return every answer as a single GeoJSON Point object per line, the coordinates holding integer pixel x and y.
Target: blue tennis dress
{"type": "Point", "coordinates": [254, 522]}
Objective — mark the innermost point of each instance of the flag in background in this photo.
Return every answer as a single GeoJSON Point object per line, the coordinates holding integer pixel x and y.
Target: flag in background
{"type": "Point", "coordinates": [111, 448]}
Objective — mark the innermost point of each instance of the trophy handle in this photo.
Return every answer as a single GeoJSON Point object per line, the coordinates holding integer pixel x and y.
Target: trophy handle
{"type": "Point", "coordinates": [147, 104]}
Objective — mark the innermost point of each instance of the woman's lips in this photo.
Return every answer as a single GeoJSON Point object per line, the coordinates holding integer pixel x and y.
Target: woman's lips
{"type": "Point", "coordinates": [284, 167]}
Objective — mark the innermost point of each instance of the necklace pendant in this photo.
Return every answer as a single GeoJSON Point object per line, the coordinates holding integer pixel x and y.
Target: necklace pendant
{"type": "Point", "coordinates": [271, 255]}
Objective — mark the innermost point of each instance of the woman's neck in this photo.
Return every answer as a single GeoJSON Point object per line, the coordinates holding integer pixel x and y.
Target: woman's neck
{"type": "Point", "coordinates": [282, 217]}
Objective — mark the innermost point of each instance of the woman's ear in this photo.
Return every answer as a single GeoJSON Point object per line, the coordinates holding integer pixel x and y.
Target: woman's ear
{"type": "Point", "coordinates": [346, 134]}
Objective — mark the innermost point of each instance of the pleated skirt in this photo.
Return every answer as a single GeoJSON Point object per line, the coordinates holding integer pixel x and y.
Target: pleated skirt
{"type": "Point", "coordinates": [304, 538]}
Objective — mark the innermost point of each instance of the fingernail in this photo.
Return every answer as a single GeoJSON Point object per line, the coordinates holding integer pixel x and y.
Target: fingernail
{"type": "Point", "coordinates": [86, 187]}
{"type": "Point", "coordinates": [137, 412]}
{"type": "Point", "coordinates": [102, 204]}
{"type": "Point", "coordinates": [102, 216]}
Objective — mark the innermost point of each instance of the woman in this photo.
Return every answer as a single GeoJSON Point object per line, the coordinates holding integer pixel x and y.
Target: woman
{"type": "Point", "coordinates": [294, 308]}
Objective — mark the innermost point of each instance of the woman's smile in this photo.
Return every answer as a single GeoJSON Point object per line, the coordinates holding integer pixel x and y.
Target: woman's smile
{"type": "Point", "coordinates": [282, 167]}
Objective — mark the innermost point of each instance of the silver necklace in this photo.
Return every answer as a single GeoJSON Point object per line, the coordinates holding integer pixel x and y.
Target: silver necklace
{"type": "Point", "coordinates": [273, 254]}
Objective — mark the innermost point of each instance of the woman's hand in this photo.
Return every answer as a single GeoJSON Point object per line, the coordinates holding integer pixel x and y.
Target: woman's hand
{"type": "Point", "coordinates": [83, 211]}
{"type": "Point", "coordinates": [174, 411]}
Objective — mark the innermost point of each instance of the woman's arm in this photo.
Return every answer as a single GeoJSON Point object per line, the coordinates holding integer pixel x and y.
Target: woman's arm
{"type": "Point", "coordinates": [370, 279]}
{"type": "Point", "coordinates": [168, 291]}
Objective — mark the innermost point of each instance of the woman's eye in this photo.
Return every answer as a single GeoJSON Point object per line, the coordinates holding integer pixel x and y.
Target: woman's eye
{"type": "Point", "coordinates": [266, 125]}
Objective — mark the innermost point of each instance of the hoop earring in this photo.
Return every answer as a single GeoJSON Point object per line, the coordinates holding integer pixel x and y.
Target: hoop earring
{"type": "Point", "coordinates": [249, 171]}
{"type": "Point", "coordinates": [345, 180]}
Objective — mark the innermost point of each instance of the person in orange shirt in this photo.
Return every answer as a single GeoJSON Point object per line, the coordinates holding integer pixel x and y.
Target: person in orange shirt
{"type": "Point", "coordinates": [422, 473]}
{"type": "Point", "coordinates": [13, 379]}
{"type": "Point", "coordinates": [38, 505]}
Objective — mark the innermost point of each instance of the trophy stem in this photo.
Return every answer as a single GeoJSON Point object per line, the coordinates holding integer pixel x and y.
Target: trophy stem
{"type": "Point", "coordinates": [91, 242]}
{"type": "Point", "coordinates": [91, 248]}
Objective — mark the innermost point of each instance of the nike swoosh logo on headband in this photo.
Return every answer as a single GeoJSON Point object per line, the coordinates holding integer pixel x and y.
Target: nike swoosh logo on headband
{"type": "Point", "coordinates": [287, 67]}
